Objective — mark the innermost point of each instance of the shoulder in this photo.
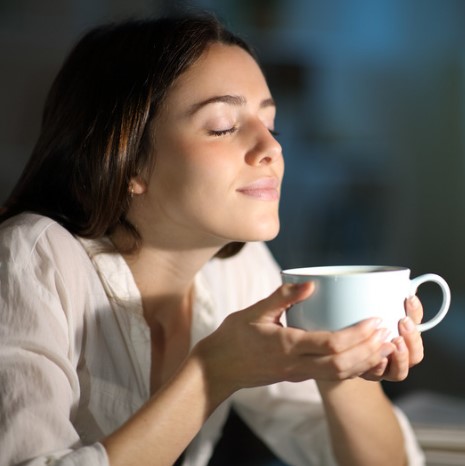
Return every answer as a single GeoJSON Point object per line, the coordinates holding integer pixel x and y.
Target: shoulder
{"type": "Point", "coordinates": [46, 280]}
{"type": "Point", "coordinates": [23, 236]}
{"type": "Point", "coordinates": [38, 249]}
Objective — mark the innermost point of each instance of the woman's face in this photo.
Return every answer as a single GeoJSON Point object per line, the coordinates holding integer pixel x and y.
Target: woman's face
{"type": "Point", "coordinates": [218, 168]}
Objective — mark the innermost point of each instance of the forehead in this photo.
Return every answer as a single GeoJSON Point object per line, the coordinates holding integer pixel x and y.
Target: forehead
{"type": "Point", "coordinates": [221, 69]}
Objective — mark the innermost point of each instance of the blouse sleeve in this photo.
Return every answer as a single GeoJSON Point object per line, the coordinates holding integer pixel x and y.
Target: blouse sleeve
{"type": "Point", "coordinates": [41, 312]}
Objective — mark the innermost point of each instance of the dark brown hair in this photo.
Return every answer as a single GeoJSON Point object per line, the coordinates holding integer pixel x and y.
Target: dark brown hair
{"type": "Point", "coordinates": [95, 128]}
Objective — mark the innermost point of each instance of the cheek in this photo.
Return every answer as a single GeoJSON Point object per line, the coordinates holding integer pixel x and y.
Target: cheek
{"type": "Point", "coordinates": [191, 170]}
{"type": "Point", "coordinates": [210, 162]}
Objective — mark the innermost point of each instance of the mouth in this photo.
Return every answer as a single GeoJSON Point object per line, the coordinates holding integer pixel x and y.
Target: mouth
{"type": "Point", "coordinates": [265, 189]}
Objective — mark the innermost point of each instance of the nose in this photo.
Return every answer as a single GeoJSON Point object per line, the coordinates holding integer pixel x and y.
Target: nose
{"type": "Point", "coordinates": [264, 149]}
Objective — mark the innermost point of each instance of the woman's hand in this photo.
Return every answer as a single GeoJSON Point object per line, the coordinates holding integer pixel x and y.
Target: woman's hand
{"type": "Point", "coordinates": [407, 347]}
{"type": "Point", "coordinates": [252, 348]}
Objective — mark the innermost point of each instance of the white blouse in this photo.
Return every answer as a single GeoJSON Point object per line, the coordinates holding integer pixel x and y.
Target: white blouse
{"type": "Point", "coordinates": [75, 352]}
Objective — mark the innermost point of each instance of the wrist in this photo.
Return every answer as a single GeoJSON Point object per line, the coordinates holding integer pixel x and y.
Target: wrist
{"type": "Point", "coordinates": [215, 377]}
{"type": "Point", "coordinates": [338, 392]}
{"type": "Point", "coordinates": [332, 388]}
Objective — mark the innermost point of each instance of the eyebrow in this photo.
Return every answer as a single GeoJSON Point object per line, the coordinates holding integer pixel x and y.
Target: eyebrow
{"type": "Point", "coordinates": [235, 100]}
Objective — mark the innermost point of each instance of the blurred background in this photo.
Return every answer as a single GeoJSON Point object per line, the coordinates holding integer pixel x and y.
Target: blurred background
{"type": "Point", "coordinates": [371, 107]}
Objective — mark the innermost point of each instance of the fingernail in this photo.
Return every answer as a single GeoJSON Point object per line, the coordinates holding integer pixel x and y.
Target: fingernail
{"type": "Point", "coordinates": [400, 344]}
{"type": "Point", "coordinates": [294, 289]}
{"type": "Point", "coordinates": [408, 324]}
{"type": "Point", "coordinates": [374, 322]}
{"type": "Point", "coordinates": [414, 301]}
{"type": "Point", "coordinates": [299, 286]}
{"type": "Point", "coordinates": [382, 334]}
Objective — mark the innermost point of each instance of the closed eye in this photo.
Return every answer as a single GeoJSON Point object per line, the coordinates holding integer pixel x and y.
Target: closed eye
{"type": "Point", "coordinates": [233, 129]}
{"type": "Point", "coordinates": [222, 132]}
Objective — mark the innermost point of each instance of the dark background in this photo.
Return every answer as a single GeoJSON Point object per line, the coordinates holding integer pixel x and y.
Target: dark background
{"type": "Point", "coordinates": [371, 100]}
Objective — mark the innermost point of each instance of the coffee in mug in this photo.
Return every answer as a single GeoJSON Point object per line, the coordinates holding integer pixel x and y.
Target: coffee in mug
{"type": "Point", "coordinates": [345, 295]}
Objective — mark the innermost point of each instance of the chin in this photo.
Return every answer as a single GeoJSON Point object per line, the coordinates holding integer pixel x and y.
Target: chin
{"type": "Point", "coordinates": [264, 233]}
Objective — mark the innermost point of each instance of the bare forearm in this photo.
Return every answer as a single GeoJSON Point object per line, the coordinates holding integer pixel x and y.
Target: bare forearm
{"type": "Point", "coordinates": [363, 427]}
{"type": "Point", "coordinates": [158, 433]}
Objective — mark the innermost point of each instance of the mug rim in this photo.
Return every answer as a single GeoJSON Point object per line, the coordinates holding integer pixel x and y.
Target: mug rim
{"type": "Point", "coordinates": [341, 270]}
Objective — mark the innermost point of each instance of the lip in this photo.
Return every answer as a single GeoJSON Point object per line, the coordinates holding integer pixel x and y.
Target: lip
{"type": "Point", "coordinates": [266, 189]}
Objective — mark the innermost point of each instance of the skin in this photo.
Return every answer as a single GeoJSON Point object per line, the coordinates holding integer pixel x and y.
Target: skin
{"type": "Point", "coordinates": [213, 140]}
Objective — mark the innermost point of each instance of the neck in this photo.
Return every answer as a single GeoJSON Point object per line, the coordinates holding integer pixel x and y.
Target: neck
{"type": "Point", "coordinates": [165, 278]}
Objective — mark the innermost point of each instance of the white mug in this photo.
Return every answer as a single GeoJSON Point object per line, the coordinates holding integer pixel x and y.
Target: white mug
{"type": "Point", "coordinates": [345, 295]}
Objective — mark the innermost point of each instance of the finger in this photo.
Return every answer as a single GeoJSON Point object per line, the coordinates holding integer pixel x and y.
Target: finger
{"type": "Point", "coordinates": [356, 360]}
{"type": "Point", "coordinates": [376, 374]}
{"type": "Point", "coordinates": [330, 343]}
{"type": "Point", "coordinates": [283, 297]}
{"type": "Point", "coordinates": [413, 340]}
{"type": "Point", "coordinates": [398, 362]}
{"type": "Point", "coordinates": [414, 309]}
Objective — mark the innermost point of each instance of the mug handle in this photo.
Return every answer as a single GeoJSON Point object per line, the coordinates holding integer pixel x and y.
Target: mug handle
{"type": "Point", "coordinates": [431, 277]}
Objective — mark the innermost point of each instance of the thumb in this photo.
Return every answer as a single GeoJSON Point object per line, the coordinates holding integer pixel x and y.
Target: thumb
{"type": "Point", "coordinates": [272, 307]}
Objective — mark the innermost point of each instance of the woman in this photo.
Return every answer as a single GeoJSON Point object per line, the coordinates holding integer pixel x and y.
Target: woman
{"type": "Point", "coordinates": [132, 315]}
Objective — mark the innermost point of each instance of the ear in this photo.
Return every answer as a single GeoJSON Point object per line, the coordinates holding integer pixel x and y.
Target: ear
{"type": "Point", "coordinates": [137, 186]}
